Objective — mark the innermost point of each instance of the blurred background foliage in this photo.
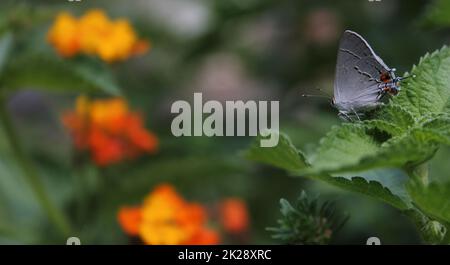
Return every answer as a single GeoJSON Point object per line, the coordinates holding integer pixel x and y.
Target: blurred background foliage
{"type": "Point", "coordinates": [229, 50]}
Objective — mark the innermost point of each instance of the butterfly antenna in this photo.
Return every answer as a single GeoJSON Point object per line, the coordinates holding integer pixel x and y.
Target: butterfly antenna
{"type": "Point", "coordinates": [322, 94]}
{"type": "Point", "coordinates": [409, 76]}
{"type": "Point", "coordinates": [314, 96]}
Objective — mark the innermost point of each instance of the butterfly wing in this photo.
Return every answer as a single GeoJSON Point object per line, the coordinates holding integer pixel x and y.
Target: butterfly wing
{"type": "Point", "coordinates": [358, 69]}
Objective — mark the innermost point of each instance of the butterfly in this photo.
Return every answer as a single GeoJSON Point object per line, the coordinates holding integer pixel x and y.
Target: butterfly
{"type": "Point", "coordinates": [362, 78]}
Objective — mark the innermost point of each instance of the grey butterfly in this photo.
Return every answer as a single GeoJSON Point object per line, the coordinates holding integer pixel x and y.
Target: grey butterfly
{"type": "Point", "coordinates": [362, 78]}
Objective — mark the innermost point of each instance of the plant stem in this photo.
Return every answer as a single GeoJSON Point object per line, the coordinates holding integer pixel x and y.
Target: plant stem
{"type": "Point", "coordinates": [30, 173]}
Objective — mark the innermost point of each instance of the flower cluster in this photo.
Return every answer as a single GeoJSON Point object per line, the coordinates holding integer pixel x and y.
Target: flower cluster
{"type": "Point", "coordinates": [165, 218]}
{"type": "Point", "coordinates": [108, 130]}
{"type": "Point", "coordinates": [95, 34]}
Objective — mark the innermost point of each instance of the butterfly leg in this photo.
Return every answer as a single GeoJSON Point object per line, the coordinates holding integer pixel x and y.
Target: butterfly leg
{"type": "Point", "coordinates": [381, 94]}
{"type": "Point", "coordinates": [356, 114]}
{"type": "Point", "coordinates": [382, 90]}
{"type": "Point", "coordinates": [344, 116]}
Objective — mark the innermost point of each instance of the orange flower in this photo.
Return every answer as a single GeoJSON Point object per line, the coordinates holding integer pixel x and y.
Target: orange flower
{"type": "Point", "coordinates": [108, 130]}
{"type": "Point", "coordinates": [95, 34]}
{"type": "Point", "coordinates": [234, 215]}
{"type": "Point", "coordinates": [130, 218]}
{"type": "Point", "coordinates": [204, 237]}
{"type": "Point", "coordinates": [167, 219]}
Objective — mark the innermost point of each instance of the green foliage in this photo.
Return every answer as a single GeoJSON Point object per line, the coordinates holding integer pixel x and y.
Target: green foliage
{"type": "Point", "coordinates": [17, 16]}
{"type": "Point", "coordinates": [44, 70]}
{"type": "Point", "coordinates": [55, 74]}
{"type": "Point", "coordinates": [394, 119]}
{"type": "Point", "coordinates": [297, 163]}
{"type": "Point", "coordinates": [437, 14]}
{"type": "Point", "coordinates": [404, 134]}
{"type": "Point", "coordinates": [428, 92]}
{"type": "Point", "coordinates": [22, 67]}
{"type": "Point", "coordinates": [306, 222]}
{"type": "Point", "coordinates": [343, 146]}
{"type": "Point", "coordinates": [243, 43]}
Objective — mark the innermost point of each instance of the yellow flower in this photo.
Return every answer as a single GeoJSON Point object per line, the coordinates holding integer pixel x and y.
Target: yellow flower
{"type": "Point", "coordinates": [64, 35]}
{"type": "Point", "coordinates": [93, 26]}
{"type": "Point", "coordinates": [95, 34]}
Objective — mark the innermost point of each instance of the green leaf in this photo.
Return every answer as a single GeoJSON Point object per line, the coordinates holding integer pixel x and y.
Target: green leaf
{"type": "Point", "coordinates": [393, 115]}
{"type": "Point", "coordinates": [284, 155]}
{"type": "Point", "coordinates": [373, 189]}
{"type": "Point", "coordinates": [392, 180]}
{"type": "Point", "coordinates": [429, 91]}
{"type": "Point", "coordinates": [432, 199]}
{"type": "Point", "coordinates": [385, 126]}
{"type": "Point", "coordinates": [343, 146]}
{"type": "Point", "coordinates": [412, 148]}
{"type": "Point", "coordinates": [438, 129]}
{"type": "Point", "coordinates": [392, 119]}
{"type": "Point", "coordinates": [356, 148]}
{"type": "Point", "coordinates": [55, 74]}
